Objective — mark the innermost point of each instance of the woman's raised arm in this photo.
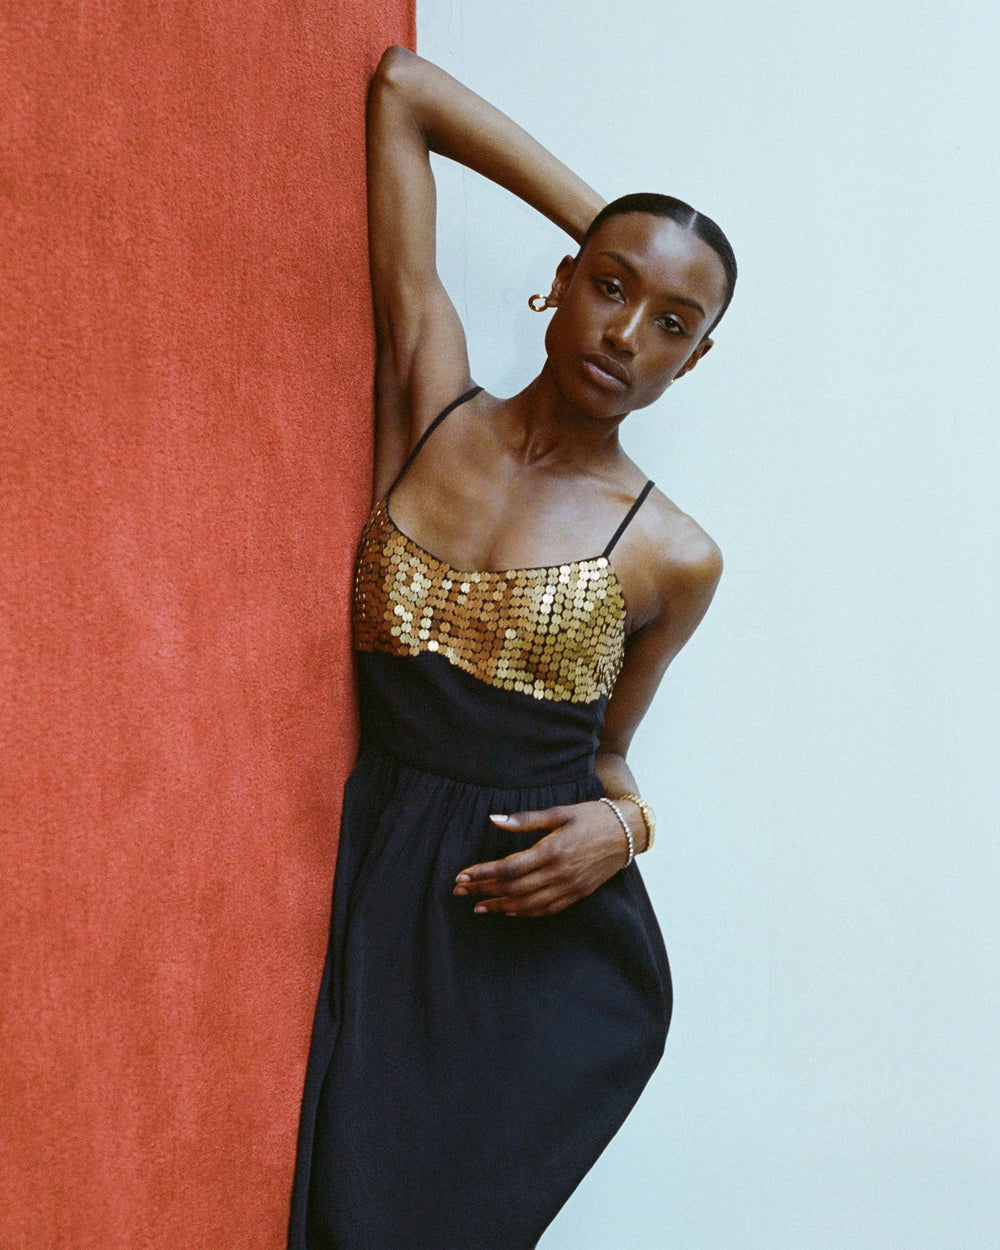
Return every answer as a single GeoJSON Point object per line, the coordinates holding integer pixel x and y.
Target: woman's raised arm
{"type": "Point", "coordinates": [415, 108]}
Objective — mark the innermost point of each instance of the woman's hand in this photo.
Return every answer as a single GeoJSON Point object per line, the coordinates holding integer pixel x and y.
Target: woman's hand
{"type": "Point", "coordinates": [584, 846]}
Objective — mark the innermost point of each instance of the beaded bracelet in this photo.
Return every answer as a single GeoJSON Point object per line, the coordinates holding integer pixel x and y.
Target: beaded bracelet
{"type": "Point", "coordinates": [624, 824]}
{"type": "Point", "coordinates": [646, 812]}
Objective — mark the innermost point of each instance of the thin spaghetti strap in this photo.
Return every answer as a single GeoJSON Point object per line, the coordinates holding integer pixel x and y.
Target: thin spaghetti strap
{"type": "Point", "coordinates": [630, 514]}
{"type": "Point", "coordinates": [428, 432]}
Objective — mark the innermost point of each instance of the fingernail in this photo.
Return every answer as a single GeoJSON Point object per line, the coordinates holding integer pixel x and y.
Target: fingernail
{"type": "Point", "coordinates": [463, 876]}
{"type": "Point", "coordinates": [460, 891]}
{"type": "Point", "coordinates": [480, 910]}
{"type": "Point", "coordinates": [501, 820]}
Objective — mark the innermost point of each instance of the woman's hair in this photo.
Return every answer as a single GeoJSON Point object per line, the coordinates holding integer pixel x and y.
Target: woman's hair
{"type": "Point", "coordinates": [687, 218]}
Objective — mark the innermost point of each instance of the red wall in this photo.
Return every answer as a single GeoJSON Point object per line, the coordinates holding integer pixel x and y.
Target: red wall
{"type": "Point", "coordinates": [185, 360]}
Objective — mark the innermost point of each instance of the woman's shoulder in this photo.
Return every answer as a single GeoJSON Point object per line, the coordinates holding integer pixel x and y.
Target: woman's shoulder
{"type": "Point", "coordinates": [676, 543]}
{"type": "Point", "coordinates": [666, 556]}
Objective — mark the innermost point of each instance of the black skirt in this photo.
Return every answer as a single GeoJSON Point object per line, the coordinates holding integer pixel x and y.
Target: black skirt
{"type": "Point", "coordinates": [466, 1070]}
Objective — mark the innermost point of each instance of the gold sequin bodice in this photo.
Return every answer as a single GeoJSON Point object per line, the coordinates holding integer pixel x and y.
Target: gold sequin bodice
{"type": "Point", "coordinates": [555, 633]}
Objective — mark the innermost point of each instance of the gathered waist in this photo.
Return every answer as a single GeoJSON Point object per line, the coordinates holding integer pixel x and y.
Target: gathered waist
{"type": "Point", "coordinates": [377, 772]}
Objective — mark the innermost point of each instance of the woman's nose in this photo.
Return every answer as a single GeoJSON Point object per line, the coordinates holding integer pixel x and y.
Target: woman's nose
{"type": "Point", "coordinates": [622, 331]}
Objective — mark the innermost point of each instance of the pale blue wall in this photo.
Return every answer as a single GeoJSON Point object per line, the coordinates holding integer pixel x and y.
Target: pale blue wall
{"type": "Point", "coordinates": [824, 754]}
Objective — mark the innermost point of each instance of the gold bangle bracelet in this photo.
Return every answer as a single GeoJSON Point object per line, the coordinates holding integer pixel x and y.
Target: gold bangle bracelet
{"type": "Point", "coordinates": [646, 812]}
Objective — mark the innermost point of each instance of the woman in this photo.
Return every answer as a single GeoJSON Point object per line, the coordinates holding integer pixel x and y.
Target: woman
{"type": "Point", "coordinates": [497, 993]}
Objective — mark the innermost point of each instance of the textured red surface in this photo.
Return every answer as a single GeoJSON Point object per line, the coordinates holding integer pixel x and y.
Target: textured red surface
{"type": "Point", "coordinates": [185, 357]}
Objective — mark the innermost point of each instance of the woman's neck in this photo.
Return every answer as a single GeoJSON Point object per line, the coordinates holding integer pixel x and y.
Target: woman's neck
{"type": "Point", "coordinates": [538, 425]}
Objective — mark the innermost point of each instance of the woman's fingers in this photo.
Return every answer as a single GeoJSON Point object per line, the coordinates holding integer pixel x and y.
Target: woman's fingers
{"type": "Point", "coordinates": [508, 887]}
{"type": "Point", "coordinates": [501, 873]}
{"type": "Point", "coordinates": [578, 852]}
{"type": "Point", "coordinates": [533, 882]}
{"type": "Point", "coordinates": [520, 862]}
{"type": "Point", "coordinates": [540, 902]}
{"type": "Point", "coordinates": [548, 818]}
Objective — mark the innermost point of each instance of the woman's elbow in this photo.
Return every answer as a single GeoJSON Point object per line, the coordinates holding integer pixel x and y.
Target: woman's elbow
{"type": "Point", "coordinates": [395, 67]}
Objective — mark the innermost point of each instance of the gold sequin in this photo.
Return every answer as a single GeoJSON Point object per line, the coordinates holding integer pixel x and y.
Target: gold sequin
{"type": "Point", "coordinates": [554, 633]}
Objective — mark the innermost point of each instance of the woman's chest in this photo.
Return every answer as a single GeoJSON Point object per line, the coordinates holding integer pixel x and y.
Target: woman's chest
{"type": "Point", "coordinates": [554, 632]}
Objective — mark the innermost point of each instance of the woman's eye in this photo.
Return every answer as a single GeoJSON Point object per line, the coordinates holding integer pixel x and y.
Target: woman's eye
{"type": "Point", "coordinates": [610, 287]}
{"type": "Point", "coordinates": [672, 325]}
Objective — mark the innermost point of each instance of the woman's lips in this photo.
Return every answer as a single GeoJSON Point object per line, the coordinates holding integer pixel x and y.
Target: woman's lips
{"type": "Point", "coordinates": [607, 373]}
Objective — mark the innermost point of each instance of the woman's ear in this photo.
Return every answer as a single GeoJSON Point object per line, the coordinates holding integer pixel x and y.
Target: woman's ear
{"type": "Point", "coordinates": [705, 345]}
{"type": "Point", "coordinates": [564, 273]}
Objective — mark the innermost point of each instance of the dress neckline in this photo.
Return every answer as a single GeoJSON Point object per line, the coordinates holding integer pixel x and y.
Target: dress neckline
{"type": "Point", "coordinates": [600, 560]}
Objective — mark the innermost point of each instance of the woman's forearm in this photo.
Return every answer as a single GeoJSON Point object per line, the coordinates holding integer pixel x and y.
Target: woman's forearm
{"type": "Point", "coordinates": [459, 124]}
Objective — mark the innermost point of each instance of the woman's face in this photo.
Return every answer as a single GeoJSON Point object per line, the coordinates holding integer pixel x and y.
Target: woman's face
{"type": "Point", "coordinates": [631, 313]}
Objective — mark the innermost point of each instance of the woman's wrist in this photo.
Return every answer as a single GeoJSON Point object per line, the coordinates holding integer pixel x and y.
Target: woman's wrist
{"type": "Point", "coordinates": [464, 127]}
{"type": "Point", "coordinates": [626, 828]}
{"type": "Point", "coordinates": [641, 820]}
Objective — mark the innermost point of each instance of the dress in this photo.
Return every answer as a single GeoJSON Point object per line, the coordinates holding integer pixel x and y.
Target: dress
{"type": "Point", "coordinates": [467, 1070]}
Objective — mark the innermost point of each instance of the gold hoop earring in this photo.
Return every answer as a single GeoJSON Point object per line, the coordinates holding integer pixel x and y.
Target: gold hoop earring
{"type": "Point", "coordinates": [538, 307]}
